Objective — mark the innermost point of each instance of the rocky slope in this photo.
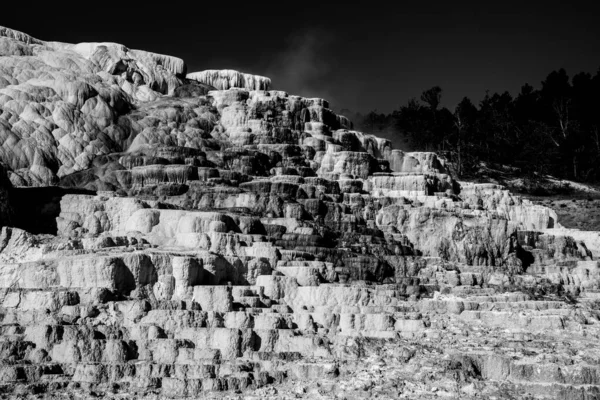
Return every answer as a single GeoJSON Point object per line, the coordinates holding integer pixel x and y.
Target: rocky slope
{"type": "Point", "coordinates": [207, 236]}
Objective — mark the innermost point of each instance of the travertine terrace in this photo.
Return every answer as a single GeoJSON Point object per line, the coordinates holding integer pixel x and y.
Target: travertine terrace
{"type": "Point", "coordinates": [175, 235]}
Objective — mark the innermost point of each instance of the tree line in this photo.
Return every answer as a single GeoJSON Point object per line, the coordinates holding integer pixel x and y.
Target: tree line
{"type": "Point", "coordinates": [552, 129]}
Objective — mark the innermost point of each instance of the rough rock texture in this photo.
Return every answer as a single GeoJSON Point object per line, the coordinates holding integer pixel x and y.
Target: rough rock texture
{"type": "Point", "coordinates": [211, 238]}
{"type": "Point", "coordinates": [223, 79]}
{"type": "Point", "coordinates": [6, 211]}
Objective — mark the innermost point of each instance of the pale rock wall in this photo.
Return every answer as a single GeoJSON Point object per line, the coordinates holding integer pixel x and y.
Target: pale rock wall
{"type": "Point", "coordinates": [17, 245]}
{"type": "Point", "coordinates": [464, 236]}
{"type": "Point", "coordinates": [59, 102]}
{"type": "Point", "coordinates": [156, 174]}
{"type": "Point", "coordinates": [224, 79]}
{"type": "Point", "coordinates": [417, 162]}
{"type": "Point", "coordinates": [335, 164]}
{"type": "Point", "coordinates": [358, 141]}
{"type": "Point", "coordinates": [94, 215]}
{"type": "Point", "coordinates": [496, 198]}
{"type": "Point", "coordinates": [591, 239]}
{"type": "Point", "coordinates": [20, 36]}
{"type": "Point", "coordinates": [409, 185]}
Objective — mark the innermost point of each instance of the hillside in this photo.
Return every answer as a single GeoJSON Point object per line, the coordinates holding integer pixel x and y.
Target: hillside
{"type": "Point", "coordinates": [167, 234]}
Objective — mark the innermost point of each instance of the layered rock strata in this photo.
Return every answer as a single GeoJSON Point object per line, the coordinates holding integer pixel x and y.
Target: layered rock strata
{"type": "Point", "coordinates": [211, 237]}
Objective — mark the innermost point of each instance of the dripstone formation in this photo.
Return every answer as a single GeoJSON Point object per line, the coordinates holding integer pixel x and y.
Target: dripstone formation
{"type": "Point", "coordinates": [181, 236]}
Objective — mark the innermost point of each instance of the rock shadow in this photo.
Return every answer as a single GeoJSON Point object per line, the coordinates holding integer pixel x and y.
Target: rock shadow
{"type": "Point", "coordinates": [36, 209]}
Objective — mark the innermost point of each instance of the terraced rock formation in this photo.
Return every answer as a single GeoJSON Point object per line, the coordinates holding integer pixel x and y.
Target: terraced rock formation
{"type": "Point", "coordinates": [205, 236]}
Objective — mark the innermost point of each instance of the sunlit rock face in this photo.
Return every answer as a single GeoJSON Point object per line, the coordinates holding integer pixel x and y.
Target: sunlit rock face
{"type": "Point", "coordinates": [165, 235]}
{"type": "Point", "coordinates": [223, 79]}
{"type": "Point", "coordinates": [61, 103]}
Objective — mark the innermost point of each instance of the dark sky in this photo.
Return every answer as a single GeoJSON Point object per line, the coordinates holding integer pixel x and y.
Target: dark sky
{"type": "Point", "coordinates": [362, 57]}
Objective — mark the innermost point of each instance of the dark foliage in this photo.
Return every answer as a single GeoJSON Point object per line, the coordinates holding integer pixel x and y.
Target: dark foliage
{"type": "Point", "coordinates": [553, 129]}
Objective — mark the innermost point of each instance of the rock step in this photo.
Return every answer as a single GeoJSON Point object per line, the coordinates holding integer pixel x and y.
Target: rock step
{"type": "Point", "coordinates": [558, 390]}
{"type": "Point", "coordinates": [512, 297]}
{"type": "Point", "coordinates": [36, 299]}
{"type": "Point", "coordinates": [118, 372]}
{"type": "Point", "coordinates": [97, 376]}
{"type": "Point", "coordinates": [113, 271]}
{"type": "Point", "coordinates": [457, 306]}
{"type": "Point", "coordinates": [532, 372]}
{"type": "Point", "coordinates": [27, 372]}
{"type": "Point", "coordinates": [13, 317]}
{"type": "Point", "coordinates": [156, 174]}
{"type": "Point", "coordinates": [510, 320]}
{"type": "Point", "coordinates": [466, 291]}
{"type": "Point", "coordinates": [174, 320]}
{"type": "Point", "coordinates": [249, 301]}
{"type": "Point", "coordinates": [254, 310]}
{"type": "Point", "coordinates": [524, 305]}
{"type": "Point", "coordinates": [176, 387]}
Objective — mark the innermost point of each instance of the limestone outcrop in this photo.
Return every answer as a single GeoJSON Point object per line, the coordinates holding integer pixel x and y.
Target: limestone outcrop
{"type": "Point", "coordinates": [166, 235]}
{"type": "Point", "coordinates": [223, 79]}
{"type": "Point", "coordinates": [60, 103]}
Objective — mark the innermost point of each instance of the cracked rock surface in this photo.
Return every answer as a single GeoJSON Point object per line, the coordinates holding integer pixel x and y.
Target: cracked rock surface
{"type": "Point", "coordinates": [174, 235]}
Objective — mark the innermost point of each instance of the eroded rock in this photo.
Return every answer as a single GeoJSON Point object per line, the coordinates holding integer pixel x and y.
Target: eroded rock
{"type": "Point", "coordinates": [214, 237]}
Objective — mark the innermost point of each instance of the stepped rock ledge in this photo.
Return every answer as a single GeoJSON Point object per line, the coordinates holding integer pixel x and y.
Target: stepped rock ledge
{"type": "Point", "coordinates": [166, 234]}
